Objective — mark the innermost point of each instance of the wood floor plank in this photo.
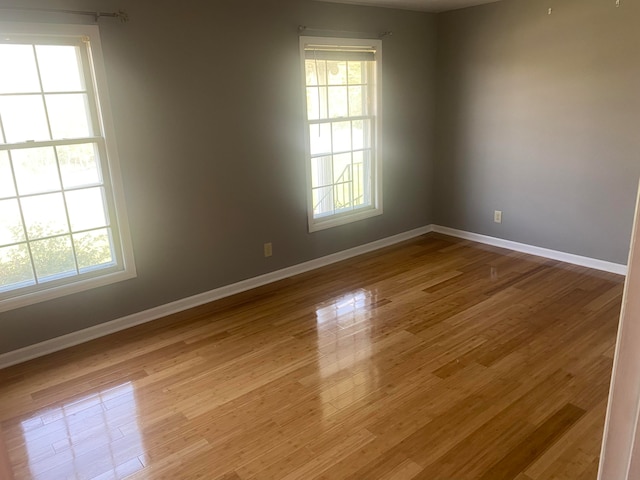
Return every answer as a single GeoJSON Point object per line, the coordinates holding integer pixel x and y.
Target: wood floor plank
{"type": "Point", "coordinates": [543, 467]}
{"type": "Point", "coordinates": [436, 358]}
{"type": "Point", "coordinates": [534, 445]}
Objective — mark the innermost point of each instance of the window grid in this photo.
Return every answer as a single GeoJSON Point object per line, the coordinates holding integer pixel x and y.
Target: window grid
{"type": "Point", "coordinates": [64, 197]}
{"type": "Point", "coordinates": [71, 234]}
{"type": "Point", "coordinates": [338, 205]}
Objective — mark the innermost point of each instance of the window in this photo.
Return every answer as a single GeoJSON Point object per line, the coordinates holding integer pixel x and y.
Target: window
{"type": "Point", "coordinates": [62, 224]}
{"type": "Point", "coordinates": [341, 83]}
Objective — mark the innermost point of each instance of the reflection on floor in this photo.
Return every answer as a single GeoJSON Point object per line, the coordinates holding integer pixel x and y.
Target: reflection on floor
{"type": "Point", "coordinates": [86, 435]}
{"type": "Point", "coordinates": [436, 359]}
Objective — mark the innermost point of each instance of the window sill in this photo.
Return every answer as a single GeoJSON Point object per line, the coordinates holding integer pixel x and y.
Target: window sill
{"type": "Point", "coordinates": [51, 293]}
{"type": "Point", "coordinates": [317, 224]}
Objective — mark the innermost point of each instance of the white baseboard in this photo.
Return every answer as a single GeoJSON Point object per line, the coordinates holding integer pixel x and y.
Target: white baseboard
{"type": "Point", "coordinates": [539, 251]}
{"type": "Point", "coordinates": [75, 338]}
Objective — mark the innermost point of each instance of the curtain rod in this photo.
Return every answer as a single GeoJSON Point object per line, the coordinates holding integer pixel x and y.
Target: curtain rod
{"type": "Point", "coordinates": [303, 29]}
{"type": "Point", "coordinates": [121, 14]}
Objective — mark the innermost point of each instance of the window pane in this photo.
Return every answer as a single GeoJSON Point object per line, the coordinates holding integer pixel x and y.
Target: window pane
{"type": "Point", "coordinates": [342, 193]}
{"type": "Point", "coordinates": [338, 104]}
{"type": "Point", "coordinates": [337, 73]}
{"type": "Point", "coordinates": [44, 215]}
{"type": "Point", "coordinates": [36, 170]}
{"type": "Point", "coordinates": [7, 189]}
{"type": "Point", "coordinates": [356, 101]}
{"type": "Point", "coordinates": [59, 68]}
{"type": "Point", "coordinates": [86, 209]}
{"type": "Point", "coordinates": [358, 157]}
{"type": "Point", "coordinates": [361, 134]}
{"type": "Point", "coordinates": [93, 249]}
{"type": "Point", "coordinates": [15, 267]}
{"type": "Point", "coordinates": [19, 73]}
{"type": "Point", "coordinates": [320, 138]}
{"type": "Point", "coordinates": [354, 72]}
{"type": "Point", "coordinates": [359, 178]}
{"type": "Point", "coordinates": [366, 175]}
{"type": "Point", "coordinates": [53, 258]}
{"type": "Point", "coordinates": [23, 118]}
{"type": "Point", "coordinates": [311, 77]}
{"type": "Point", "coordinates": [322, 200]}
{"type": "Point", "coordinates": [316, 103]}
{"type": "Point", "coordinates": [69, 115]}
{"type": "Point", "coordinates": [366, 163]}
{"type": "Point", "coordinates": [321, 171]}
{"type": "Point", "coordinates": [10, 222]}
{"type": "Point", "coordinates": [78, 165]}
{"type": "Point", "coordinates": [342, 168]}
{"type": "Point", "coordinates": [341, 136]}
{"type": "Point", "coordinates": [316, 72]}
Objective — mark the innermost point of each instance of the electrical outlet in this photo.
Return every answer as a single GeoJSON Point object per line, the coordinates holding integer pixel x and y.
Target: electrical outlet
{"type": "Point", "coordinates": [497, 216]}
{"type": "Point", "coordinates": [268, 249]}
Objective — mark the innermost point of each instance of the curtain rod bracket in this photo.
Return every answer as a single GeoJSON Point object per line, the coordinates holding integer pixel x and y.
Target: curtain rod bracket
{"type": "Point", "coordinates": [123, 16]}
{"type": "Point", "coordinates": [120, 15]}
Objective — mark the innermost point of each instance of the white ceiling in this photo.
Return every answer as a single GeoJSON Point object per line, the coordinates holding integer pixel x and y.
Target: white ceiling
{"type": "Point", "coordinates": [422, 5]}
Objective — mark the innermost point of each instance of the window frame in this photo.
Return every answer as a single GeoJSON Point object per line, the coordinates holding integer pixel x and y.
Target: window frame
{"type": "Point", "coordinates": [105, 142]}
{"type": "Point", "coordinates": [375, 206]}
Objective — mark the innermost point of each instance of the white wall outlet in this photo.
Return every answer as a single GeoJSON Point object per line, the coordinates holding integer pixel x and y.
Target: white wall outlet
{"type": "Point", "coordinates": [497, 216]}
{"type": "Point", "coordinates": [268, 249]}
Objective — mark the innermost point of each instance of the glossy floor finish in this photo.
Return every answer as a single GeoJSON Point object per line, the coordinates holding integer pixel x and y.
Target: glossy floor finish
{"type": "Point", "coordinates": [434, 359]}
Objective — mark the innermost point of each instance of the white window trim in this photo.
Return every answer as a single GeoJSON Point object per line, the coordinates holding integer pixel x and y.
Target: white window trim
{"type": "Point", "coordinates": [330, 221]}
{"type": "Point", "coordinates": [104, 115]}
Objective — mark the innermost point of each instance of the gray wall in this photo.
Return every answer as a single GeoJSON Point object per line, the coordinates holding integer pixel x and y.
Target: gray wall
{"type": "Point", "coordinates": [494, 107]}
{"type": "Point", "coordinates": [539, 116]}
{"type": "Point", "coordinates": [207, 106]}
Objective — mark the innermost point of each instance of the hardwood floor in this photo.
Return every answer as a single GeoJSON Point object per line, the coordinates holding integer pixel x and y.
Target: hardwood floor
{"type": "Point", "coordinates": [434, 359]}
